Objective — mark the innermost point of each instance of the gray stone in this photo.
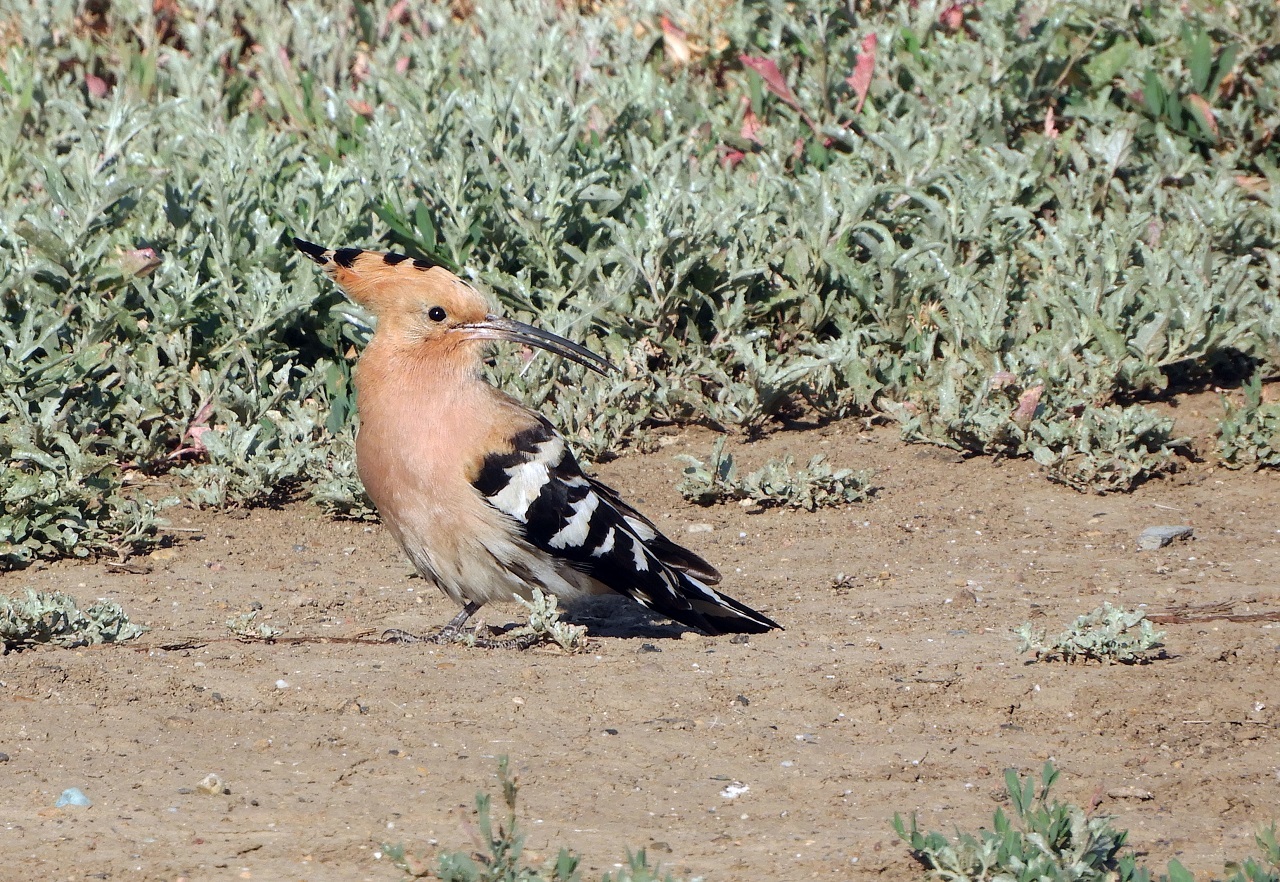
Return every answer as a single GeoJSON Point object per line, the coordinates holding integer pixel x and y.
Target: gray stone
{"type": "Point", "coordinates": [1159, 537]}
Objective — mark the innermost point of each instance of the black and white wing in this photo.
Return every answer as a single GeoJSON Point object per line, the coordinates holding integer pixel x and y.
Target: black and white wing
{"type": "Point", "coordinates": [570, 517]}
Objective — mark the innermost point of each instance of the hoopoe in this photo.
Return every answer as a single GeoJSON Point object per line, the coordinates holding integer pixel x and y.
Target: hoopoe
{"type": "Point", "coordinates": [481, 492]}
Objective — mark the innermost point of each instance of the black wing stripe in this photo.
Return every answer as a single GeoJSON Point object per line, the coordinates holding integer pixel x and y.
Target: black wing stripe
{"type": "Point", "coordinates": [570, 517]}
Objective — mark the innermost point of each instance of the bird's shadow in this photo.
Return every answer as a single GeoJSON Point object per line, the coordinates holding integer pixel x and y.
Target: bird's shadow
{"type": "Point", "coordinates": [620, 617]}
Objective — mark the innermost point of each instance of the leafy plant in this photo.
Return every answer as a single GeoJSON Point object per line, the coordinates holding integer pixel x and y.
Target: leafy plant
{"type": "Point", "coordinates": [543, 626]}
{"type": "Point", "coordinates": [775, 483]}
{"type": "Point", "coordinates": [499, 851]}
{"type": "Point", "coordinates": [1249, 436]}
{"type": "Point", "coordinates": [756, 210]}
{"type": "Point", "coordinates": [54, 617]}
{"type": "Point", "coordinates": [1109, 633]}
{"type": "Point", "coordinates": [1054, 840]}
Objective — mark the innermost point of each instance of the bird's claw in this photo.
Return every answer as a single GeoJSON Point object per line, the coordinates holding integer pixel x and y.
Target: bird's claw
{"type": "Point", "coordinates": [450, 634]}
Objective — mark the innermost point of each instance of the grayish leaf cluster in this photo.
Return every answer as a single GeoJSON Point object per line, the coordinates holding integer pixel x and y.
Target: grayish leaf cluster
{"type": "Point", "coordinates": [776, 483]}
{"type": "Point", "coordinates": [1081, 196]}
{"type": "Point", "coordinates": [1109, 633]}
{"type": "Point", "coordinates": [54, 617]}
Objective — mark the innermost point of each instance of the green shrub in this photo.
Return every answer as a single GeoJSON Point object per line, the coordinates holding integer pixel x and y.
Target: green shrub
{"type": "Point", "coordinates": [43, 617]}
{"type": "Point", "coordinates": [1109, 633]}
{"type": "Point", "coordinates": [499, 849]}
{"type": "Point", "coordinates": [775, 483]}
{"type": "Point", "coordinates": [1055, 840]}
{"type": "Point", "coordinates": [1249, 436]}
{"type": "Point", "coordinates": [812, 209]}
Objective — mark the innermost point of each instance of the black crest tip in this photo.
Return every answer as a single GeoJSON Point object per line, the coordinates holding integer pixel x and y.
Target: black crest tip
{"type": "Point", "coordinates": [315, 252]}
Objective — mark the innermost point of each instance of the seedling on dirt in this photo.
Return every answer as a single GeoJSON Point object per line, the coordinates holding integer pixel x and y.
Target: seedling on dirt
{"type": "Point", "coordinates": [42, 617]}
{"type": "Point", "coordinates": [498, 851]}
{"type": "Point", "coordinates": [544, 626]}
{"type": "Point", "coordinates": [1109, 633]}
{"type": "Point", "coordinates": [1249, 436]}
{"type": "Point", "coordinates": [775, 484]}
{"type": "Point", "coordinates": [1042, 840]}
{"type": "Point", "coordinates": [244, 627]}
{"type": "Point", "coordinates": [1055, 840]}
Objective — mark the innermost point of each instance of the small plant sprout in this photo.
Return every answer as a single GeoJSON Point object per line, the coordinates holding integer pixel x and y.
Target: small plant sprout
{"type": "Point", "coordinates": [1043, 840]}
{"type": "Point", "coordinates": [42, 617]}
{"type": "Point", "coordinates": [244, 627]}
{"type": "Point", "coordinates": [1108, 634]}
{"type": "Point", "coordinates": [775, 484]}
{"type": "Point", "coordinates": [498, 851]}
{"type": "Point", "coordinates": [544, 626]}
{"type": "Point", "coordinates": [1249, 436]}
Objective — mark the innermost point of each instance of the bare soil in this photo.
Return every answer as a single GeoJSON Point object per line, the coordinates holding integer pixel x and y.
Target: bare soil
{"type": "Point", "coordinates": [896, 687]}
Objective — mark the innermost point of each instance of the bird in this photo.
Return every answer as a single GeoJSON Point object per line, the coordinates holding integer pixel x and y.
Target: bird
{"type": "Point", "coordinates": [481, 492]}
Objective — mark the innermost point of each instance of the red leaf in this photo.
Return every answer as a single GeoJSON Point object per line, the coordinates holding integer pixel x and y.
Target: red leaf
{"type": "Point", "coordinates": [96, 85]}
{"type": "Point", "coordinates": [1050, 124]}
{"type": "Point", "coordinates": [729, 157]}
{"type": "Point", "coordinates": [675, 42]}
{"type": "Point", "coordinates": [1205, 112]}
{"type": "Point", "coordinates": [952, 17]}
{"type": "Point", "coordinates": [751, 125]}
{"type": "Point", "coordinates": [860, 80]}
{"type": "Point", "coordinates": [777, 85]}
{"type": "Point", "coordinates": [772, 79]}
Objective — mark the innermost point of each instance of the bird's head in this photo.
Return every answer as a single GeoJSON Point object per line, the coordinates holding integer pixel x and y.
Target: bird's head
{"type": "Point", "coordinates": [418, 303]}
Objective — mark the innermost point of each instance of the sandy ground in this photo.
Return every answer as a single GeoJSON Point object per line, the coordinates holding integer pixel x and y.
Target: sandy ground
{"type": "Point", "coordinates": [896, 687]}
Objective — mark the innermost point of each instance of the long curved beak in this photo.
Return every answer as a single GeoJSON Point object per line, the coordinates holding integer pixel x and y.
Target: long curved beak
{"type": "Point", "coordinates": [497, 328]}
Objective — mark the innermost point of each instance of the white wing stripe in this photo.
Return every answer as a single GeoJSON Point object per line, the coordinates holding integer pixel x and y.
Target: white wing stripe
{"type": "Point", "coordinates": [574, 533]}
{"type": "Point", "coordinates": [523, 487]}
{"type": "Point", "coordinates": [526, 480]}
{"type": "Point", "coordinates": [641, 556]}
{"type": "Point", "coordinates": [606, 546]}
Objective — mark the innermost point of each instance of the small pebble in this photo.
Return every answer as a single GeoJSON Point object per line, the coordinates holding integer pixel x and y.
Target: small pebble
{"type": "Point", "coordinates": [73, 796]}
{"type": "Point", "coordinates": [1158, 537]}
{"type": "Point", "coordinates": [210, 784]}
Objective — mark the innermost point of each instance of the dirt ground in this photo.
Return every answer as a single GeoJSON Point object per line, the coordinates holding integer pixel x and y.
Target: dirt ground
{"type": "Point", "coordinates": [896, 687]}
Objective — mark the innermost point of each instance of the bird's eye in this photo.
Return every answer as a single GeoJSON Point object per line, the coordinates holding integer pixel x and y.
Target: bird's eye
{"type": "Point", "coordinates": [436, 313]}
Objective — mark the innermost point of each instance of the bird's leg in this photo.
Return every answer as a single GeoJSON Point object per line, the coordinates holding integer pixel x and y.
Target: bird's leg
{"type": "Point", "coordinates": [447, 634]}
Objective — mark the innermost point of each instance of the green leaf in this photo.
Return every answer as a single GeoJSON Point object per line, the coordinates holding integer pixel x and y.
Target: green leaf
{"type": "Point", "coordinates": [1103, 67]}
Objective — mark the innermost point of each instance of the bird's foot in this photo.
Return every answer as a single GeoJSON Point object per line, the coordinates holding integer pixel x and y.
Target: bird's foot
{"type": "Point", "coordinates": [522, 642]}
{"type": "Point", "coordinates": [468, 636]}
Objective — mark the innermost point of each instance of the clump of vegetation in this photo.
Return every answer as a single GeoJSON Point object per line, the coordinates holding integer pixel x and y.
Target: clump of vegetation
{"type": "Point", "coordinates": [498, 852]}
{"type": "Point", "coordinates": [245, 627]}
{"type": "Point", "coordinates": [1055, 840]}
{"type": "Point", "coordinates": [54, 617]}
{"type": "Point", "coordinates": [543, 627]}
{"type": "Point", "coordinates": [756, 210]}
{"type": "Point", "coordinates": [1109, 634]}
{"type": "Point", "coordinates": [1043, 840]}
{"type": "Point", "coordinates": [1249, 436]}
{"type": "Point", "coordinates": [1089, 448]}
{"type": "Point", "coordinates": [777, 483]}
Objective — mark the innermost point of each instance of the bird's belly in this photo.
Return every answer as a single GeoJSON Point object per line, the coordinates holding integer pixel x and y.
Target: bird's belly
{"type": "Point", "coordinates": [458, 541]}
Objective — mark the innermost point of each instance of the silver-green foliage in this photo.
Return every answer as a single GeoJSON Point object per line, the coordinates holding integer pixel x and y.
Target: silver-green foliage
{"type": "Point", "coordinates": [497, 855]}
{"type": "Point", "coordinates": [1250, 435]}
{"type": "Point", "coordinates": [54, 617]}
{"type": "Point", "coordinates": [1109, 633]}
{"type": "Point", "coordinates": [947, 231]}
{"type": "Point", "coordinates": [1042, 840]}
{"type": "Point", "coordinates": [777, 482]}
{"type": "Point", "coordinates": [1056, 840]}
{"type": "Point", "coordinates": [1080, 444]}
{"type": "Point", "coordinates": [543, 627]}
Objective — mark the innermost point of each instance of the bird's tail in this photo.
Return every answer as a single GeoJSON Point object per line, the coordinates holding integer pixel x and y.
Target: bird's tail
{"type": "Point", "coordinates": [718, 613]}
